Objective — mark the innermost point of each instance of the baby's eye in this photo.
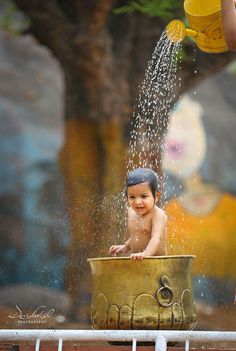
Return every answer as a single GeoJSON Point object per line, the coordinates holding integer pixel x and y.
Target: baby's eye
{"type": "Point", "coordinates": [131, 197]}
{"type": "Point", "coordinates": [144, 196]}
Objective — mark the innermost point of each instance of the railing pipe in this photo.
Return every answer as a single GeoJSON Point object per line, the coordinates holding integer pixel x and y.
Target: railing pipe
{"type": "Point", "coordinates": [115, 335]}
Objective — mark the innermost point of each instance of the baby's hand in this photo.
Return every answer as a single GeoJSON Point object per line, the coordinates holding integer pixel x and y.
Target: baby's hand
{"type": "Point", "coordinates": [140, 255]}
{"type": "Point", "coordinates": [137, 256]}
{"type": "Point", "coordinates": [115, 249]}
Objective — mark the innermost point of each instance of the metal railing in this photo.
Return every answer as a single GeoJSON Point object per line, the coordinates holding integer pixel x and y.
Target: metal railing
{"type": "Point", "coordinates": [159, 337]}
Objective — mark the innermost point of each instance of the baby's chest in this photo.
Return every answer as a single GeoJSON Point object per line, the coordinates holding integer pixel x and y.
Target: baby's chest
{"type": "Point", "coordinates": [142, 226]}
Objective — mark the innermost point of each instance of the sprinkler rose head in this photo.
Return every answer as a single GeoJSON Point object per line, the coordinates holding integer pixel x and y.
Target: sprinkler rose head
{"type": "Point", "coordinates": [176, 31]}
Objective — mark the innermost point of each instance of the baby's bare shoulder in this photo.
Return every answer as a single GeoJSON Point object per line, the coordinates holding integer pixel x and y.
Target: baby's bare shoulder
{"type": "Point", "coordinates": [159, 214]}
{"type": "Point", "coordinates": [131, 213]}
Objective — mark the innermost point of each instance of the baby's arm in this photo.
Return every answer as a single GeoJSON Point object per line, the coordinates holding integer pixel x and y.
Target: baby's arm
{"type": "Point", "coordinates": [115, 249]}
{"type": "Point", "coordinates": [158, 234]}
{"type": "Point", "coordinates": [229, 23]}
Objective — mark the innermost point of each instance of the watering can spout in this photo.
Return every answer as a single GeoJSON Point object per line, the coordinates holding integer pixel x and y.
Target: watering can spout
{"type": "Point", "coordinates": [176, 32]}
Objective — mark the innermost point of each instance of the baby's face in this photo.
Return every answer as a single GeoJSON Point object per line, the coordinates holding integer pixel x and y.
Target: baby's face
{"type": "Point", "coordinates": [141, 199]}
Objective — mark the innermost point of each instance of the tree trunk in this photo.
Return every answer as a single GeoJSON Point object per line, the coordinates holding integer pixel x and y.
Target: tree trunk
{"type": "Point", "coordinates": [92, 160]}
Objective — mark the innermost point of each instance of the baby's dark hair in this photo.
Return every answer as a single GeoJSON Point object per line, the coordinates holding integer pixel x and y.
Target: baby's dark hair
{"type": "Point", "coordinates": [142, 175]}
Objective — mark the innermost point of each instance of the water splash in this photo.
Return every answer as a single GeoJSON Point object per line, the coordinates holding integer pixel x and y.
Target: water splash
{"type": "Point", "coordinates": [150, 119]}
{"type": "Point", "coordinates": [148, 125]}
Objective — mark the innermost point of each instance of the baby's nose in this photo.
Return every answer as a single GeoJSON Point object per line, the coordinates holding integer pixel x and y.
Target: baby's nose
{"type": "Point", "coordinates": [138, 201]}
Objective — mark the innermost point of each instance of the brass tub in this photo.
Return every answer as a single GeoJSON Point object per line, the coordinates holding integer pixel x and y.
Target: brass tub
{"type": "Point", "coordinates": [155, 293]}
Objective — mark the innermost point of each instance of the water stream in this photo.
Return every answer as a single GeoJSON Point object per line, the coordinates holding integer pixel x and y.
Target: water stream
{"type": "Point", "coordinates": [153, 106]}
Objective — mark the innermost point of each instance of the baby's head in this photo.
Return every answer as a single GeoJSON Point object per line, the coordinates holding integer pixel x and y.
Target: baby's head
{"type": "Point", "coordinates": [142, 175]}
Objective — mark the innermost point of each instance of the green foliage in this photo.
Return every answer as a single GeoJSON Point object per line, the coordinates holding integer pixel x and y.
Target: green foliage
{"type": "Point", "coordinates": [11, 19]}
{"type": "Point", "coordinates": [166, 9]}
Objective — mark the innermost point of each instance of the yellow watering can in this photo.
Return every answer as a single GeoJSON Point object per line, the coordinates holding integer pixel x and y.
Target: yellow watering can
{"type": "Point", "coordinates": [204, 17]}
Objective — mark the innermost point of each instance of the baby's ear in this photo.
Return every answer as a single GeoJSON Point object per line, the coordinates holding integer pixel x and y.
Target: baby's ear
{"type": "Point", "coordinates": [158, 194]}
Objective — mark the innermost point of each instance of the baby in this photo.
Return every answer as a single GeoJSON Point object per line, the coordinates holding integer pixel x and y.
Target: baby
{"type": "Point", "coordinates": [146, 222]}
